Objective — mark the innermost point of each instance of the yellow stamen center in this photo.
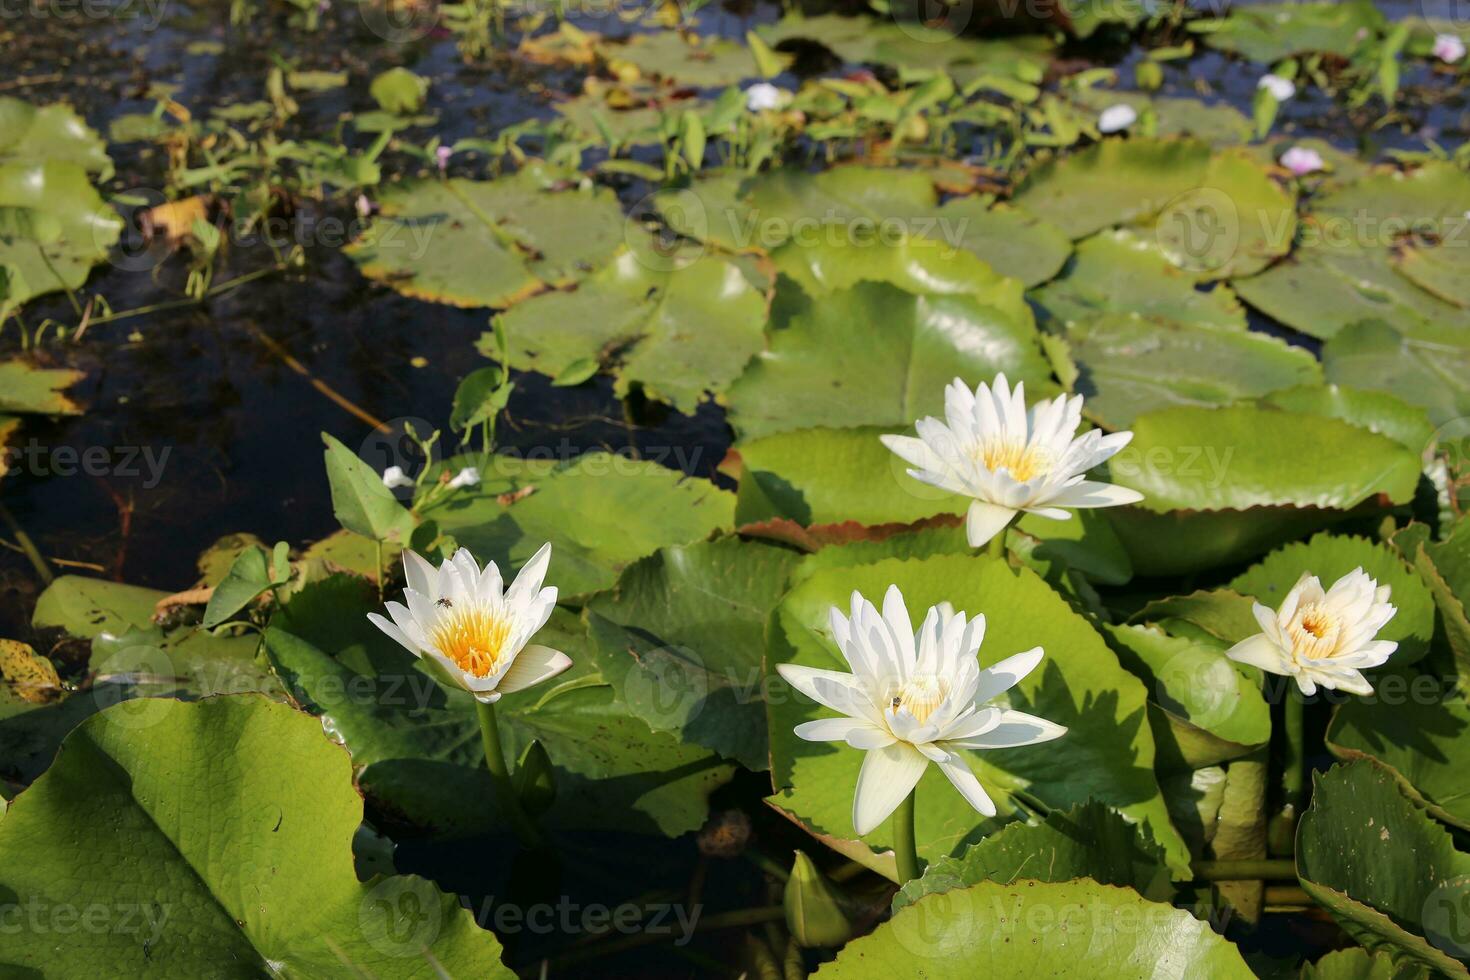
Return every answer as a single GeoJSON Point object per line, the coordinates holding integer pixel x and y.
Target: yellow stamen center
{"type": "Point", "coordinates": [473, 637]}
{"type": "Point", "coordinates": [920, 696]}
{"type": "Point", "coordinates": [1021, 460]}
{"type": "Point", "coordinates": [1314, 632]}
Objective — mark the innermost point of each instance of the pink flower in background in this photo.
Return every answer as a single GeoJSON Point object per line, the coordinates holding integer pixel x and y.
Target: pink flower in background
{"type": "Point", "coordinates": [1302, 161]}
{"type": "Point", "coordinates": [1449, 48]}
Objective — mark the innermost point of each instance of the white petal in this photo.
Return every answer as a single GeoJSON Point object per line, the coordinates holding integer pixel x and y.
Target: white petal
{"type": "Point", "coordinates": [833, 689]}
{"type": "Point", "coordinates": [1016, 728]}
{"type": "Point", "coordinates": [418, 574]}
{"type": "Point", "coordinates": [869, 736]}
{"type": "Point", "coordinates": [1090, 493]}
{"type": "Point", "coordinates": [888, 776]}
{"type": "Point", "coordinates": [531, 666]}
{"type": "Point", "coordinates": [1007, 674]}
{"type": "Point", "coordinates": [396, 634]}
{"type": "Point", "coordinates": [896, 616]}
{"type": "Point", "coordinates": [958, 770]}
{"type": "Point", "coordinates": [984, 521]}
{"type": "Point", "coordinates": [1261, 651]}
{"type": "Point", "coordinates": [829, 729]}
{"type": "Point", "coordinates": [529, 578]}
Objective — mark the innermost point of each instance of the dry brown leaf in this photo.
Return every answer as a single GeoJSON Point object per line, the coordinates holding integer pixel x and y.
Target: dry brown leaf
{"type": "Point", "coordinates": [189, 597]}
{"type": "Point", "coordinates": [506, 499]}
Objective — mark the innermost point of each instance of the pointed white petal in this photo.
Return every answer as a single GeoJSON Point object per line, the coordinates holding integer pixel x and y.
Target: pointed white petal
{"type": "Point", "coordinates": [531, 666]}
{"type": "Point", "coordinates": [1016, 728]}
{"type": "Point", "coordinates": [1090, 493]}
{"type": "Point", "coordinates": [832, 689]}
{"type": "Point", "coordinates": [829, 729]}
{"type": "Point", "coordinates": [396, 634]}
{"type": "Point", "coordinates": [957, 769]}
{"type": "Point", "coordinates": [888, 776]}
{"type": "Point", "coordinates": [418, 574]}
{"type": "Point", "coordinates": [529, 578]}
{"type": "Point", "coordinates": [1261, 651]}
{"type": "Point", "coordinates": [984, 521]}
{"type": "Point", "coordinates": [1007, 674]}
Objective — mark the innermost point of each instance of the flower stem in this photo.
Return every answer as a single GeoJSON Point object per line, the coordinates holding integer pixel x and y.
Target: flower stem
{"type": "Point", "coordinates": [904, 851]}
{"type": "Point", "coordinates": [1283, 825]}
{"type": "Point", "coordinates": [505, 791]}
{"type": "Point", "coordinates": [996, 546]}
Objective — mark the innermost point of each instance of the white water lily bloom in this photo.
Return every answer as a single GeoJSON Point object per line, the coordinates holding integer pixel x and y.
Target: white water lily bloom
{"type": "Point", "coordinates": [472, 630]}
{"type": "Point", "coordinates": [1010, 460]}
{"type": "Point", "coordinates": [394, 478]}
{"type": "Point", "coordinates": [1301, 160]}
{"type": "Point", "coordinates": [1280, 88]}
{"type": "Point", "coordinates": [1448, 48]}
{"type": "Point", "coordinates": [1116, 118]}
{"type": "Point", "coordinates": [1323, 639]}
{"type": "Point", "coordinates": [467, 477]}
{"type": "Point", "coordinates": [912, 699]}
{"type": "Point", "coordinates": [764, 97]}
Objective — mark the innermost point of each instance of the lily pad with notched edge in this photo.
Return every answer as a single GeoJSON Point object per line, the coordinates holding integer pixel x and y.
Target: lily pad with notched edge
{"type": "Point", "coordinates": [223, 831]}
{"type": "Point", "coordinates": [1415, 727]}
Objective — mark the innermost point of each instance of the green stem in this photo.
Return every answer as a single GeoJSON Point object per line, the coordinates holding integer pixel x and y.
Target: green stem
{"type": "Point", "coordinates": [1282, 831]}
{"type": "Point", "coordinates": [505, 791]}
{"type": "Point", "coordinates": [996, 546]}
{"type": "Point", "coordinates": [27, 546]}
{"type": "Point", "coordinates": [1261, 869]}
{"type": "Point", "coordinates": [904, 851]}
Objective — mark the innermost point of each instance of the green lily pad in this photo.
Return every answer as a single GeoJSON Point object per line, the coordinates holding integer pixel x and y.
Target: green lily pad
{"type": "Point", "coordinates": [223, 831]}
{"type": "Point", "coordinates": [1240, 832]}
{"type": "Point", "coordinates": [83, 229]}
{"type": "Point", "coordinates": [600, 511]}
{"type": "Point", "coordinates": [1376, 411]}
{"type": "Point", "coordinates": [1119, 272]}
{"type": "Point", "coordinates": [418, 747]}
{"type": "Point", "coordinates": [1329, 557]}
{"type": "Point", "coordinates": [1348, 267]}
{"type": "Point", "coordinates": [1416, 730]}
{"type": "Point", "coordinates": [1406, 900]}
{"type": "Point", "coordinates": [910, 45]}
{"type": "Point", "coordinates": [1360, 964]}
{"type": "Point", "coordinates": [1428, 373]}
{"type": "Point", "coordinates": [1087, 841]}
{"type": "Point", "coordinates": [32, 134]}
{"type": "Point", "coordinates": [678, 332]}
{"type": "Point", "coordinates": [24, 388]}
{"type": "Point", "coordinates": [489, 243]}
{"type": "Point", "coordinates": [1444, 568]}
{"type": "Point", "coordinates": [701, 62]}
{"type": "Point", "coordinates": [681, 638]}
{"type": "Point", "coordinates": [1107, 754]}
{"type": "Point", "coordinates": [1130, 365]}
{"type": "Point", "coordinates": [1010, 241]}
{"type": "Point", "coordinates": [1113, 182]}
{"type": "Point", "coordinates": [1269, 32]}
{"type": "Point", "coordinates": [1225, 484]}
{"type": "Point", "coordinates": [1039, 929]}
{"type": "Point", "coordinates": [831, 359]}
{"type": "Point", "coordinates": [1204, 709]}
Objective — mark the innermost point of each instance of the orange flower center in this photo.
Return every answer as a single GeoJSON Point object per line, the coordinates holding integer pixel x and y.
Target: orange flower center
{"type": "Point", "coordinates": [920, 696]}
{"type": "Point", "coordinates": [474, 638]}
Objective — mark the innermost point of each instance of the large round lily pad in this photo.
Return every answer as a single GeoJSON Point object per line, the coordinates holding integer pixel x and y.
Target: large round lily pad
{"type": "Point", "coordinates": [215, 841]}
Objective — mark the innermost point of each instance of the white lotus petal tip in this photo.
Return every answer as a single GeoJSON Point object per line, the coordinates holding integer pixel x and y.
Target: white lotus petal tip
{"type": "Point", "coordinates": [1448, 48]}
{"type": "Point", "coordinates": [765, 97]}
{"type": "Point", "coordinates": [394, 478]}
{"type": "Point", "coordinates": [467, 477]}
{"type": "Point", "coordinates": [470, 630]}
{"type": "Point", "coordinates": [1322, 638]}
{"type": "Point", "coordinates": [914, 697]}
{"type": "Point", "coordinates": [1115, 119]}
{"type": "Point", "coordinates": [1281, 89]}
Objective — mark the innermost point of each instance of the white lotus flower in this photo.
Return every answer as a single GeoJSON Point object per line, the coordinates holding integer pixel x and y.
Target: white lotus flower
{"type": "Point", "coordinates": [460, 620]}
{"type": "Point", "coordinates": [1323, 638]}
{"type": "Point", "coordinates": [1448, 48]}
{"type": "Point", "coordinates": [763, 97]}
{"type": "Point", "coordinates": [1010, 460]}
{"type": "Point", "coordinates": [1116, 118]}
{"type": "Point", "coordinates": [1280, 88]}
{"type": "Point", "coordinates": [394, 478]}
{"type": "Point", "coordinates": [1301, 160]}
{"type": "Point", "coordinates": [912, 699]}
{"type": "Point", "coordinates": [467, 477]}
